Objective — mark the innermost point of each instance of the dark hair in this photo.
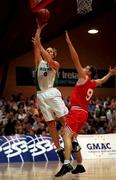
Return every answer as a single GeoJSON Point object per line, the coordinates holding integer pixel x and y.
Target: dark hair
{"type": "Point", "coordinates": [55, 52]}
{"type": "Point", "coordinates": [93, 71]}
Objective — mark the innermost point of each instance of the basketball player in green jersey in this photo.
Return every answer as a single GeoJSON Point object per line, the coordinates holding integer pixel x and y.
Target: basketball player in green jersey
{"type": "Point", "coordinates": [49, 97]}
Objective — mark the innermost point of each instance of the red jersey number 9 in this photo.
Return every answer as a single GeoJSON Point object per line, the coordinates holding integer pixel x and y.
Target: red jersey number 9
{"type": "Point", "coordinates": [89, 94]}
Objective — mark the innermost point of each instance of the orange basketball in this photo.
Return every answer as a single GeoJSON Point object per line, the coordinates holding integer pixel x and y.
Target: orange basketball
{"type": "Point", "coordinates": [43, 16]}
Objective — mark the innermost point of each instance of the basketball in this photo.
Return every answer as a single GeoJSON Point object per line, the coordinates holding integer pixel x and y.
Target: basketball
{"type": "Point", "coordinates": [43, 16]}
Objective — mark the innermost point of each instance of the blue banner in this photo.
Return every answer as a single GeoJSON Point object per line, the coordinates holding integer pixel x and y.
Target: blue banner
{"type": "Point", "coordinates": [27, 148]}
{"type": "Point", "coordinates": [66, 77]}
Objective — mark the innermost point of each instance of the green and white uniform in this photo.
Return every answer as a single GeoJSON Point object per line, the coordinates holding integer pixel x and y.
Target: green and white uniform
{"type": "Point", "coordinates": [49, 97]}
{"type": "Point", "coordinates": [45, 76]}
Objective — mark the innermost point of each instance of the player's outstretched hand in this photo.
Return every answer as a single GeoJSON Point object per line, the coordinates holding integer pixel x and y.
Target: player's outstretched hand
{"type": "Point", "coordinates": [112, 71]}
{"type": "Point", "coordinates": [36, 39]}
{"type": "Point", "coordinates": [40, 27]}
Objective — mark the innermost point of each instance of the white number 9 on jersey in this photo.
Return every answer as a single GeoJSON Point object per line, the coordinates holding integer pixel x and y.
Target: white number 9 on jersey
{"type": "Point", "coordinates": [89, 94]}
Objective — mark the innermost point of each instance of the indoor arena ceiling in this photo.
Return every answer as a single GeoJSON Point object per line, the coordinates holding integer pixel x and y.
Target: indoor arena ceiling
{"type": "Point", "coordinates": [17, 23]}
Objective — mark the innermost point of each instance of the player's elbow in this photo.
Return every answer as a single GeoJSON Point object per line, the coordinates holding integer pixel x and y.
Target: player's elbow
{"type": "Point", "coordinates": [99, 82]}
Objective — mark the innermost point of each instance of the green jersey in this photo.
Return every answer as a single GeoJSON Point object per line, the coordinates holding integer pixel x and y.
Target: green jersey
{"type": "Point", "coordinates": [45, 76]}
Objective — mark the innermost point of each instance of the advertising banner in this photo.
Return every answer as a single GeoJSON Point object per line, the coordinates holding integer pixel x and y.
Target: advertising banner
{"type": "Point", "coordinates": [66, 77]}
{"type": "Point", "coordinates": [98, 146]}
{"type": "Point", "coordinates": [27, 148]}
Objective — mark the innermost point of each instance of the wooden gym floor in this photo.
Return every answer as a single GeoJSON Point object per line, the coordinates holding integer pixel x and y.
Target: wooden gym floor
{"type": "Point", "coordinates": [102, 169]}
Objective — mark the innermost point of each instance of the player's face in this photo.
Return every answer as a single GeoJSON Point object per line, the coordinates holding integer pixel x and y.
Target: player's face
{"type": "Point", "coordinates": [50, 52]}
{"type": "Point", "coordinates": [87, 70]}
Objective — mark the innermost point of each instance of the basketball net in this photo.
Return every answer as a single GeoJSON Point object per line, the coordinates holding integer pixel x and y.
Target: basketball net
{"type": "Point", "coordinates": [36, 5]}
{"type": "Point", "coordinates": [84, 6]}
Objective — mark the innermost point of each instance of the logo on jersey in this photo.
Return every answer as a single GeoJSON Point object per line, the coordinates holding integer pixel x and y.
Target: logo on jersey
{"type": "Point", "coordinates": [44, 70]}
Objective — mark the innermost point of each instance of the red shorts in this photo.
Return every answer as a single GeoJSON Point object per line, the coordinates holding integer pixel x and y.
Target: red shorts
{"type": "Point", "coordinates": [76, 119]}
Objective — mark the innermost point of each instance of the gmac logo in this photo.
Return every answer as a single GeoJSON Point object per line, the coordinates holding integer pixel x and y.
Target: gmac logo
{"type": "Point", "coordinates": [101, 146]}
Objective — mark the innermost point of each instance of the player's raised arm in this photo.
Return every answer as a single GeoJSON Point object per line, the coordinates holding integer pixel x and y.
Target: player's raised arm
{"type": "Point", "coordinates": [36, 43]}
{"type": "Point", "coordinates": [112, 72]}
{"type": "Point", "coordinates": [75, 57]}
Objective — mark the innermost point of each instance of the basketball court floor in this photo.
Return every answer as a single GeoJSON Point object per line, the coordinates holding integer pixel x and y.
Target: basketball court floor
{"type": "Point", "coordinates": [97, 169]}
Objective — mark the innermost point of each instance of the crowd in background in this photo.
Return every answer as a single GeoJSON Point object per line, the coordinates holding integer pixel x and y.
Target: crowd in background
{"type": "Point", "coordinates": [20, 115]}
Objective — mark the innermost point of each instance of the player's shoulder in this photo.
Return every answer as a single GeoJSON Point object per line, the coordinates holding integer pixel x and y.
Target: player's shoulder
{"type": "Point", "coordinates": [82, 81]}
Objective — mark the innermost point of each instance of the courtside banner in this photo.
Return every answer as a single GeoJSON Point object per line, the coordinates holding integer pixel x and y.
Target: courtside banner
{"type": "Point", "coordinates": [27, 148]}
{"type": "Point", "coordinates": [98, 146]}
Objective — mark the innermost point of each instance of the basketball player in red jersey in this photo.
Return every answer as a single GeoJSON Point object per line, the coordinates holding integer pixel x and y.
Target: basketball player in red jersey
{"type": "Point", "coordinates": [79, 100]}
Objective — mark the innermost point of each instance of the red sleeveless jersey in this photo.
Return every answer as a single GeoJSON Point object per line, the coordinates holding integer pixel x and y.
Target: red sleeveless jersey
{"type": "Point", "coordinates": [82, 94]}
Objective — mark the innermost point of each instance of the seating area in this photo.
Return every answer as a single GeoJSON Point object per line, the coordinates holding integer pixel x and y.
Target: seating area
{"type": "Point", "coordinates": [20, 115]}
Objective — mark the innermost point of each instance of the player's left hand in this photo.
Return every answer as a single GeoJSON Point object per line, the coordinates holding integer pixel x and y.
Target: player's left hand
{"type": "Point", "coordinates": [40, 27]}
{"type": "Point", "coordinates": [112, 71]}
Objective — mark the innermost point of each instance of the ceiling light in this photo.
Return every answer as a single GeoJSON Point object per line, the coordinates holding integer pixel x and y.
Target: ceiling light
{"type": "Point", "coordinates": [92, 31]}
